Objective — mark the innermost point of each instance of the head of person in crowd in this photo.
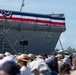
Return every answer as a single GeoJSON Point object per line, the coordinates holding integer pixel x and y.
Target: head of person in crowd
{"type": "Point", "coordinates": [1, 56]}
{"type": "Point", "coordinates": [51, 63]}
{"type": "Point", "coordinates": [64, 70]}
{"type": "Point", "coordinates": [56, 65]}
{"type": "Point", "coordinates": [23, 59]}
{"type": "Point", "coordinates": [19, 53]}
{"type": "Point", "coordinates": [31, 57]}
{"type": "Point", "coordinates": [59, 57]}
{"type": "Point", "coordinates": [39, 57]}
{"type": "Point", "coordinates": [66, 61]}
{"type": "Point", "coordinates": [74, 63]}
{"type": "Point", "coordinates": [39, 66]}
{"type": "Point", "coordinates": [9, 68]}
{"type": "Point", "coordinates": [7, 54]}
{"type": "Point", "coordinates": [7, 58]}
{"type": "Point", "coordinates": [45, 56]}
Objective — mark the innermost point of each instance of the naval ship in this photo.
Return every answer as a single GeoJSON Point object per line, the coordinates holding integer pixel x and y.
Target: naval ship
{"type": "Point", "coordinates": [30, 32]}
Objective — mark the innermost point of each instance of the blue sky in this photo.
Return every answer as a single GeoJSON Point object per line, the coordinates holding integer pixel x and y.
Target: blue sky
{"type": "Point", "coordinates": [68, 38]}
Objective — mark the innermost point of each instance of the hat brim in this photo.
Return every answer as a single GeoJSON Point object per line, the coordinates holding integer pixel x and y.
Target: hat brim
{"type": "Point", "coordinates": [24, 60]}
{"type": "Point", "coordinates": [58, 56]}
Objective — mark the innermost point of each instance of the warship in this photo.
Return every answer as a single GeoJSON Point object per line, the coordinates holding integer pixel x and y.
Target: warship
{"type": "Point", "coordinates": [30, 32]}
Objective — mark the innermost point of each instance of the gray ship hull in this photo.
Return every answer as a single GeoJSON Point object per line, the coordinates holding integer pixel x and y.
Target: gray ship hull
{"type": "Point", "coordinates": [29, 37]}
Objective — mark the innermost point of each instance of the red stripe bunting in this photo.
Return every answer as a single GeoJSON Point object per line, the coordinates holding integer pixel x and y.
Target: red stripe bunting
{"type": "Point", "coordinates": [34, 20]}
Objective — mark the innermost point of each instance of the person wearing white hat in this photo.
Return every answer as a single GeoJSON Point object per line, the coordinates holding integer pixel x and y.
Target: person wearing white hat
{"type": "Point", "coordinates": [59, 59]}
{"type": "Point", "coordinates": [7, 54]}
{"type": "Point", "coordinates": [40, 67]}
{"type": "Point", "coordinates": [30, 57]}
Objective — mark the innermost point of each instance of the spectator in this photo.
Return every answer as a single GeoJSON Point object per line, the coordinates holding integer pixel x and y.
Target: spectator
{"type": "Point", "coordinates": [1, 56]}
{"type": "Point", "coordinates": [64, 69]}
{"type": "Point", "coordinates": [40, 67]}
{"type": "Point", "coordinates": [9, 68]}
{"type": "Point", "coordinates": [23, 60]}
{"type": "Point", "coordinates": [31, 58]}
{"type": "Point", "coordinates": [59, 59]}
{"type": "Point", "coordinates": [51, 64]}
{"type": "Point", "coordinates": [7, 58]}
{"type": "Point", "coordinates": [74, 64]}
{"type": "Point", "coordinates": [7, 54]}
{"type": "Point", "coordinates": [67, 61]}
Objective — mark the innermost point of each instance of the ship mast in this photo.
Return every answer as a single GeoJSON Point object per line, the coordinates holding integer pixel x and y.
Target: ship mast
{"type": "Point", "coordinates": [22, 5]}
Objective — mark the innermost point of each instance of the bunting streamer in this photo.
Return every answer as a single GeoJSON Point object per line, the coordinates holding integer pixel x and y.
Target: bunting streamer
{"type": "Point", "coordinates": [52, 19]}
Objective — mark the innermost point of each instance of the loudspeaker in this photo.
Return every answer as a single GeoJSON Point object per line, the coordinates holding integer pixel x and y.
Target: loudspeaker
{"type": "Point", "coordinates": [23, 42]}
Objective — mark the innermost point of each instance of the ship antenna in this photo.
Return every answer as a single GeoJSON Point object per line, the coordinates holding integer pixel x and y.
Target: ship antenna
{"type": "Point", "coordinates": [22, 5]}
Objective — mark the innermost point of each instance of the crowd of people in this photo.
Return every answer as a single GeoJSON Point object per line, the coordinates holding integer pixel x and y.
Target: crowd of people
{"type": "Point", "coordinates": [42, 64]}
